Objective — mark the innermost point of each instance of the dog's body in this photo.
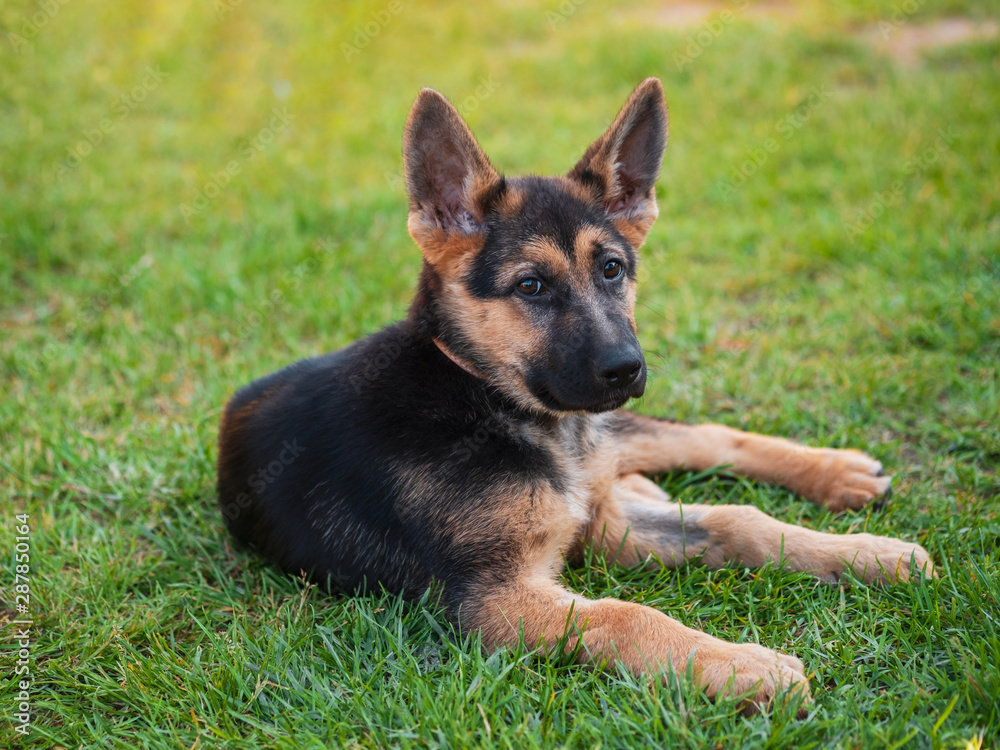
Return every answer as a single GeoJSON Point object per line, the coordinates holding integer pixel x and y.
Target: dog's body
{"type": "Point", "coordinates": [478, 443]}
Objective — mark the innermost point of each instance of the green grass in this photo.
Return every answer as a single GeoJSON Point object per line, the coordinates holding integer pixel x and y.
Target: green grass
{"type": "Point", "coordinates": [766, 305]}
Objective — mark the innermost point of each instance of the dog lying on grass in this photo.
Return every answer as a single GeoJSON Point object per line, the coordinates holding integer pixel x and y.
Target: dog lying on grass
{"type": "Point", "coordinates": [480, 443]}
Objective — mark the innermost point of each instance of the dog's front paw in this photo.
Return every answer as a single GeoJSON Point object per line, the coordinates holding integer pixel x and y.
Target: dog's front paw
{"type": "Point", "coordinates": [841, 479]}
{"type": "Point", "coordinates": [756, 671]}
{"type": "Point", "coordinates": [876, 559]}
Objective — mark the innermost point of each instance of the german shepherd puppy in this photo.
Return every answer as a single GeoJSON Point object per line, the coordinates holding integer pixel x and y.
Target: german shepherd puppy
{"type": "Point", "coordinates": [479, 443]}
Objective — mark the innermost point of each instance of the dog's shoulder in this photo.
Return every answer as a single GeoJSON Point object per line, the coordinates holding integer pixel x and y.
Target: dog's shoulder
{"type": "Point", "coordinates": [387, 438]}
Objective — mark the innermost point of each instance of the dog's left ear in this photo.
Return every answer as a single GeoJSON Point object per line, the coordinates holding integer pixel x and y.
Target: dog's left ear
{"type": "Point", "coordinates": [620, 168]}
{"type": "Point", "coordinates": [449, 180]}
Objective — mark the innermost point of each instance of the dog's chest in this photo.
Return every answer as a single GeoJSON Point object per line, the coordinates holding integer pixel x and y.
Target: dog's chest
{"type": "Point", "coordinates": [584, 468]}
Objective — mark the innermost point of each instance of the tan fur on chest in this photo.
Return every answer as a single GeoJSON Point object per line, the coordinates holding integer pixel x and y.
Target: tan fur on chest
{"type": "Point", "coordinates": [559, 516]}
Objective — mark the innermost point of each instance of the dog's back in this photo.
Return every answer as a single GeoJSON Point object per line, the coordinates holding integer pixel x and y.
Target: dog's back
{"type": "Point", "coordinates": [354, 466]}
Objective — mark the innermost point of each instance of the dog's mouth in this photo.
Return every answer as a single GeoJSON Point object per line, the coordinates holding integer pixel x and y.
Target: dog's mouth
{"type": "Point", "coordinates": [611, 401]}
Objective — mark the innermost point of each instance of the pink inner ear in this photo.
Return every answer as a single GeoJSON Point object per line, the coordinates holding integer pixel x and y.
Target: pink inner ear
{"type": "Point", "coordinates": [441, 157]}
{"type": "Point", "coordinates": [638, 155]}
{"type": "Point", "coordinates": [628, 192]}
{"type": "Point", "coordinates": [447, 203]}
{"type": "Point", "coordinates": [448, 180]}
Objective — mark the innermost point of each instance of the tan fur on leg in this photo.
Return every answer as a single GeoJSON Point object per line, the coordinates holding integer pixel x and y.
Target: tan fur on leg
{"type": "Point", "coordinates": [836, 479]}
{"type": "Point", "coordinates": [641, 521]}
{"type": "Point", "coordinates": [638, 637]}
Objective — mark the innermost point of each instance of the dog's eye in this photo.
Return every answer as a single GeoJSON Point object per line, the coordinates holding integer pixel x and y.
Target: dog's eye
{"type": "Point", "coordinates": [530, 287]}
{"type": "Point", "coordinates": [613, 269]}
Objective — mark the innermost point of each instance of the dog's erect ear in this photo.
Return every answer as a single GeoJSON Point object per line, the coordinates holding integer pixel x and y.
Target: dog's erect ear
{"type": "Point", "coordinates": [448, 177]}
{"type": "Point", "coordinates": [621, 167]}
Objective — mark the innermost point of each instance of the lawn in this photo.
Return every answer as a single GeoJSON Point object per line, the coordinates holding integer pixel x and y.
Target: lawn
{"type": "Point", "coordinates": [195, 194]}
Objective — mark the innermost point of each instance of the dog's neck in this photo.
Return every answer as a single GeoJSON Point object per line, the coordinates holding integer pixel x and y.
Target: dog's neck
{"type": "Point", "coordinates": [425, 322]}
{"type": "Point", "coordinates": [463, 363]}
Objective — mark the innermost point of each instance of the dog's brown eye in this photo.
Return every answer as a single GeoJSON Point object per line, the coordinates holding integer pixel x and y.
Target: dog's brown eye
{"type": "Point", "coordinates": [530, 287]}
{"type": "Point", "coordinates": [612, 269]}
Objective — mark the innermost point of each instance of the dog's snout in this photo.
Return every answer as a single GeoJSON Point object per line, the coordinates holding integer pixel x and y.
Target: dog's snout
{"type": "Point", "coordinates": [622, 372]}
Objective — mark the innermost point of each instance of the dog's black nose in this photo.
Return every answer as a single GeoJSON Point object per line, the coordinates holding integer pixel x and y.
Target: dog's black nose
{"type": "Point", "coordinates": [622, 373]}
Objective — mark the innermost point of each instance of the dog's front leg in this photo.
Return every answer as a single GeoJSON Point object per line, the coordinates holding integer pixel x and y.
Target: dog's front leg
{"type": "Point", "coordinates": [640, 520]}
{"type": "Point", "coordinates": [642, 639]}
{"type": "Point", "coordinates": [836, 479]}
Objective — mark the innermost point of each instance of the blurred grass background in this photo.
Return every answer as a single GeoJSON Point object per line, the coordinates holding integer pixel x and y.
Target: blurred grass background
{"type": "Point", "coordinates": [826, 266]}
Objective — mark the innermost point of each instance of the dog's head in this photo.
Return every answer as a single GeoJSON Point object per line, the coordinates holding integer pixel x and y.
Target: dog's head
{"type": "Point", "coordinates": [532, 279]}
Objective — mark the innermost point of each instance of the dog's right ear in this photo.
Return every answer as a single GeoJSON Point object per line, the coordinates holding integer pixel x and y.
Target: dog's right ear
{"type": "Point", "coordinates": [449, 180]}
